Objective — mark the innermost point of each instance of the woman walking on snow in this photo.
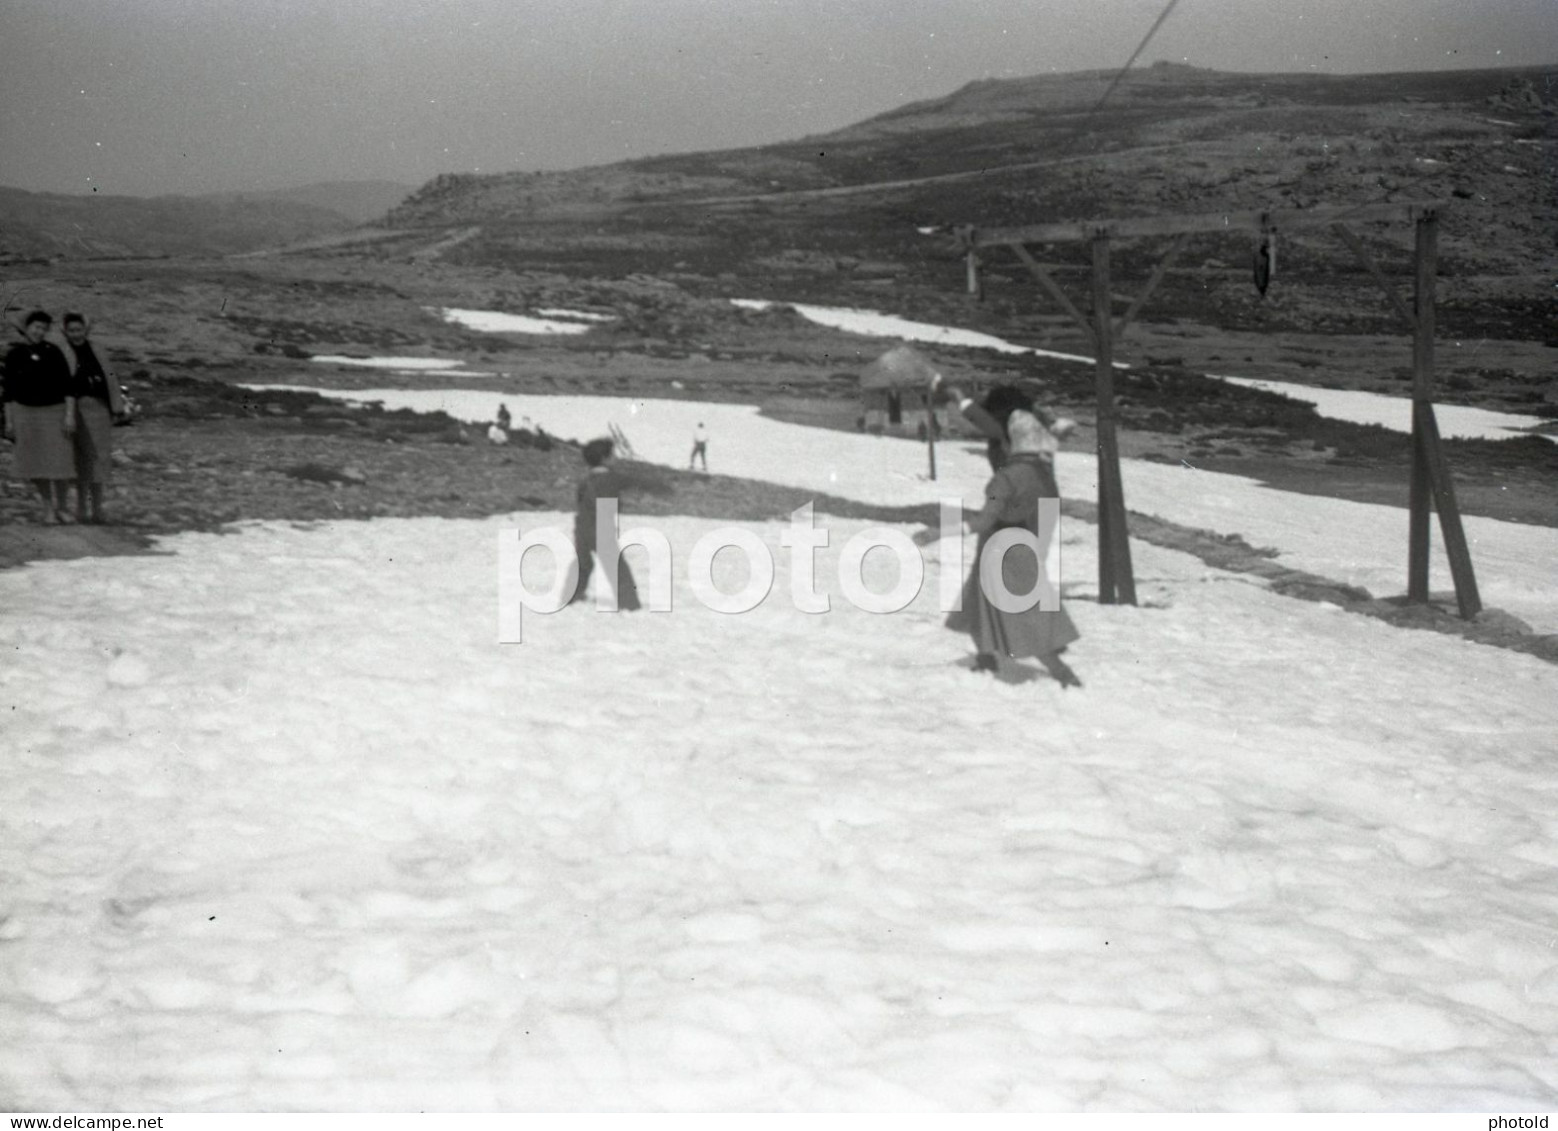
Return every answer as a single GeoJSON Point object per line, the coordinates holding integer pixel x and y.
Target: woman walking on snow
{"type": "Point", "coordinates": [1012, 501]}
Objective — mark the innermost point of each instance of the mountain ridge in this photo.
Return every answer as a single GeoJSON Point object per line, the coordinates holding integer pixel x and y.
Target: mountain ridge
{"type": "Point", "coordinates": [47, 225]}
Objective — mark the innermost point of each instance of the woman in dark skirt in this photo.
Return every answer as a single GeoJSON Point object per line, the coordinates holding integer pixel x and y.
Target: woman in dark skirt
{"type": "Point", "coordinates": [98, 401]}
{"type": "Point", "coordinates": [1012, 500]}
{"type": "Point", "coordinates": [39, 401]}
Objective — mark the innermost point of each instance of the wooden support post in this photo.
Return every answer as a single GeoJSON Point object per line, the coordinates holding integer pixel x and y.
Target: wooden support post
{"type": "Point", "coordinates": [1427, 427]}
{"type": "Point", "coordinates": [1418, 524]}
{"type": "Point", "coordinates": [930, 430]}
{"type": "Point", "coordinates": [1116, 582]}
{"type": "Point", "coordinates": [1418, 519]}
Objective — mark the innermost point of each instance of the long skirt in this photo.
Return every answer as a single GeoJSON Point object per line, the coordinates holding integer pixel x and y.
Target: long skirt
{"type": "Point", "coordinates": [43, 449]}
{"type": "Point", "coordinates": [94, 439]}
{"type": "Point", "coordinates": [622, 584]}
{"type": "Point", "coordinates": [1033, 632]}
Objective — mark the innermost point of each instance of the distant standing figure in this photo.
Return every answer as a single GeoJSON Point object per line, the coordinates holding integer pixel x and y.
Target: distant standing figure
{"type": "Point", "coordinates": [99, 401]}
{"type": "Point", "coordinates": [700, 447]}
{"type": "Point", "coordinates": [39, 403]}
{"type": "Point", "coordinates": [600, 482]}
{"type": "Point", "coordinates": [504, 419]}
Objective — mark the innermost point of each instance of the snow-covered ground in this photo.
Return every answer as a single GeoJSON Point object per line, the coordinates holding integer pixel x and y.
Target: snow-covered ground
{"type": "Point", "coordinates": [1355, 543]}
{"type": "Point", "coordinates": [286, 829]}
{"type": "Point", "coordinates": [1455, 421]}
{"type": "Point", "coordinates": [1395, 413]}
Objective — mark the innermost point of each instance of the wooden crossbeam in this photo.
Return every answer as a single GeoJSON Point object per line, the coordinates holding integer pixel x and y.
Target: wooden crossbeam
{"type": "Point", "coordinates": [1431, 485]}
{"type": "Point", "coordinates": [1350, 238]}
{"type": "Point", "coordinates": [1047, 281]}
{"type": "Point", "coordinates": [1292, 219]}
{"type": "Point", "coordinates": [1153, 280]}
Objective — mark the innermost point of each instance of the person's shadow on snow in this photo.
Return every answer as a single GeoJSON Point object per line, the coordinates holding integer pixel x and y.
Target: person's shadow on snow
{"type": "Point", "coordinates": [1010, 671]}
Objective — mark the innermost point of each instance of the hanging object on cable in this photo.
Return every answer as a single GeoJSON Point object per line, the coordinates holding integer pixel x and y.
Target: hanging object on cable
{"type": "Point", "coordinates": [1265, 260]}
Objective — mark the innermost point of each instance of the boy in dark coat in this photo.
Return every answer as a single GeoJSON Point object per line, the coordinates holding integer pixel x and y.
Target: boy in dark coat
{"type": "Point", "coordinates": [600, 482]}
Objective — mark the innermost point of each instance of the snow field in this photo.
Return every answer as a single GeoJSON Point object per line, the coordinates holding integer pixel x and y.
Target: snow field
{"type": "Point", "coordinates": [288, 830]}
{"type": "Point", "coordinates": [1360, 544]}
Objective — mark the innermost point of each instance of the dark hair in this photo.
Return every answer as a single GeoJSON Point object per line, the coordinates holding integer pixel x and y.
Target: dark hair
{"type": "Point", "coordinates": [1000, 402]}
{"type": "Point", "coordinates": [597, 452]}
{"type": "Point", "coordinates": [1003, 400]}
{"type": "Point", "coordinates": [38, 316]}
{"type": "Point", "coordinates": [73, 316]}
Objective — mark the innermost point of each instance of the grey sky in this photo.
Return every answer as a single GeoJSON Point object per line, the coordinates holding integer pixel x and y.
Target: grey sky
{"type": "Point", "coordinates": [152, 96]}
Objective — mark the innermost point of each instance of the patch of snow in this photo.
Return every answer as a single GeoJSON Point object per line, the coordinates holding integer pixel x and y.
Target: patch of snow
{"type": "Point", "coordinates": [875, 324]}
{"type": "Point", "coordinates": [1395, 413]}
{"type": "Point", "coordinates": [408, 364]}
{"type": "Point", "coordinates": [497, 322]}
{"type": "Point", "coordinates": [576, 315]}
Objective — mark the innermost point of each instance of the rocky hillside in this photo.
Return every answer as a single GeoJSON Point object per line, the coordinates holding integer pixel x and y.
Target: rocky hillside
{"type": "Point", "coordinates": [359, 202]}
{"type": "Point", "coordinates": [825, 215]}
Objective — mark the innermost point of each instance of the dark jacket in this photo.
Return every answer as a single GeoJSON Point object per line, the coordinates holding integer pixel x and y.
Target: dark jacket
{"type": "Point", "coordinates": [37, 376]}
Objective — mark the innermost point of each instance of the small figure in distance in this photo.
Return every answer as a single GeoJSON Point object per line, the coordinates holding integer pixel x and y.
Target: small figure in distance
{"type": "Point", "coordinates": [700, 447]}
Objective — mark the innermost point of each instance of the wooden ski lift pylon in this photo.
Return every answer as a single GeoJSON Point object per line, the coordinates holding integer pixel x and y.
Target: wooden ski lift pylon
{"type": "Point", "coordinates": [1431, 484]}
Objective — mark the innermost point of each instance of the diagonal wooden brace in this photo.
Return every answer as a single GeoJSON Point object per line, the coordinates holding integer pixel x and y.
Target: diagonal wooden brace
{"type": "Point", "coordinates": [1153, 280]}
{"type": "Point", "coordinates": [1047, 281]}
{"type": "Point", "coordinates": [1426, 425]}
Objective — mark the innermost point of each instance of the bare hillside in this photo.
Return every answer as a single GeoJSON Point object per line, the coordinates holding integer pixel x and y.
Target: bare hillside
{"type": "Point", "coordinates": [827, 213]}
